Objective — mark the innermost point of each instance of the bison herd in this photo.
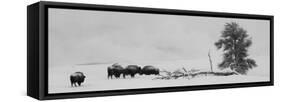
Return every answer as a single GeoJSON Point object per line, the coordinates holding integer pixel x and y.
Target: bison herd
{"type": "Point", "coordinates": [117, 70]}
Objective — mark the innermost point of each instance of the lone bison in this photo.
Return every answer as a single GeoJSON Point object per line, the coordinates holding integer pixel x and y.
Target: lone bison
{"type": "Point", "coordinates": [131, 70]}
{"type": "Point", "coordinates": [149, 70]}
{"type": "Point", "coordinates": [77, 77]}
{"type": "Point", "coordinates": [114, 70]}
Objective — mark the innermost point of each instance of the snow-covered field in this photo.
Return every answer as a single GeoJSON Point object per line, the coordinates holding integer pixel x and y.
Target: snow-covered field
{"type": "Point", "coordinates": [96, 76]}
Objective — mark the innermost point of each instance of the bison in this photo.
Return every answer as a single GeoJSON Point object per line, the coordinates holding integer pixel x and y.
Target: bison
{"type": "Point", "coordinates": [149, 70]}
{"type": "Point", "coordinates": [131, 70]}
{"type": "Point", "coordinates": [77, 78]}
{"type": "Point", "coordinates": [114, 70]}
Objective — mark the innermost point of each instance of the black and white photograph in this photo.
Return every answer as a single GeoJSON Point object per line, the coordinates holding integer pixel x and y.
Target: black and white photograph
{"type": "Point", "coordinates": [95, 50]}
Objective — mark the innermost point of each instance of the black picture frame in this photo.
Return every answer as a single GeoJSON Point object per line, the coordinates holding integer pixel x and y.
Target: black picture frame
{"type": "Point", "coordinates": [37, 49]}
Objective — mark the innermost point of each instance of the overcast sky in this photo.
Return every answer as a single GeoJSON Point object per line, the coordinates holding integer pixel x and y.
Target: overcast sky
{"type": "Point", "coordinates": [81, 36]}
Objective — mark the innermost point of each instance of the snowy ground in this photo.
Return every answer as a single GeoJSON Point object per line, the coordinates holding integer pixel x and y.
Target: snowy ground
{"type": "Point", "coordinates": [96, 76]}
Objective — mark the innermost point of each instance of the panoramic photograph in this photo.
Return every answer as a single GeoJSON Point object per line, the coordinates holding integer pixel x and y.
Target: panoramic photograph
{"type": "Point", "coordinates": [92, 50]}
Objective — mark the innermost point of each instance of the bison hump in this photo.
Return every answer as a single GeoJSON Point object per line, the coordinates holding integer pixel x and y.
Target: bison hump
{"type": "Point", "coordinates": [77, 74]}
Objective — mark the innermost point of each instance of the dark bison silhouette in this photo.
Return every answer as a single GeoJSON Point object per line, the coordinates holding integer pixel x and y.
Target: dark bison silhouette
{"type": "Point", "coordinates": [114, 70]}
{"type": "Point", "coordinates": [131, 70]}
{"type": "Point", "coordinates": [77, 78]}
{"type": "Point", "coordinates": [149, 70]}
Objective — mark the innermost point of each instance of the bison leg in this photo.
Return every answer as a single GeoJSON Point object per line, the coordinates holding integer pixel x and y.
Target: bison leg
{"type": "Point", "coordinates": [132, 75]}
{"type": "Point", "coordinates": [109, 76]}
{"type": "Point", "coordinates": [124, 76]}
{"type": "Point", "coordinates": [71, 81]}
{"type": "Point", "coordinates": [79, 83]}
{"type": "Point", "coordinates": [71, 84]}
{"type": "Point", "coordinates": [118, 75]}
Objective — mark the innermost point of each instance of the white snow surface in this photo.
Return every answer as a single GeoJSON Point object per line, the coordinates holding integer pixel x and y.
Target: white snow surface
{"type": "Point", "coordinates": [96, 76]}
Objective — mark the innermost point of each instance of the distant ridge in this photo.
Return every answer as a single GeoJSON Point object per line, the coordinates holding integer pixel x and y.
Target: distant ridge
{"type": "Point", "coordinates": [94, 63]}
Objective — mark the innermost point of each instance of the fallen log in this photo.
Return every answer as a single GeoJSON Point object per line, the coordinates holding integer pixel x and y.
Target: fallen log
{"type": "Point", "coordinates": [191, 74]}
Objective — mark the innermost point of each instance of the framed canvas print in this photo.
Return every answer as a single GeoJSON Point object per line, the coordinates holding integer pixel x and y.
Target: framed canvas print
{"type": "Point", "coordinates": [82, 50]}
